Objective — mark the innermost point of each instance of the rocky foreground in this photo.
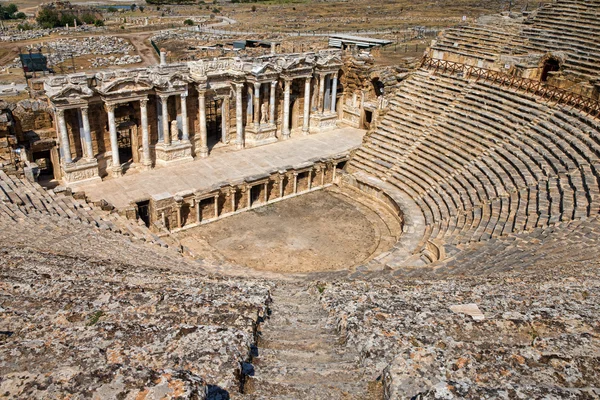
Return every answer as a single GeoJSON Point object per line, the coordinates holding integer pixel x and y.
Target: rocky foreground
{"type": "Point", "coordinates": [538, 335]}
{"type": "Point", "coordinates": [136, 322]}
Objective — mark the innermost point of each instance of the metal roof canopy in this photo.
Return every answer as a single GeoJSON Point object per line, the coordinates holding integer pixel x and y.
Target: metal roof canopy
{"type": "Point", "coordinates": [341, 41]}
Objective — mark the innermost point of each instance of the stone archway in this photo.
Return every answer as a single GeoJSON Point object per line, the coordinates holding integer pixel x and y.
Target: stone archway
{"type": "Point", "coordinates": [549, 64]}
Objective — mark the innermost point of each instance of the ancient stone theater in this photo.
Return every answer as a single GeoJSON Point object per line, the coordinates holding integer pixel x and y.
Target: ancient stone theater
{"type": "Point", "coordinates": [311, 225]}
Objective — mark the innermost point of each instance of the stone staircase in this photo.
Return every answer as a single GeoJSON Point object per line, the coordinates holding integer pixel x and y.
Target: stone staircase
{"type": "Point", "coordinates": [300, 354]}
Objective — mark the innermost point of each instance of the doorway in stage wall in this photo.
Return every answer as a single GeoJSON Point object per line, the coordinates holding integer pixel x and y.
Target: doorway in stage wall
{"type": "Point", "coordinates": [124, 136]}
{"type": "Point", "coordinates": [214, 121]}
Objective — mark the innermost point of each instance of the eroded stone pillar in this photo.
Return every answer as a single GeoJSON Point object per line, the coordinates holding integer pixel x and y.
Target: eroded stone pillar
{"type": "Point", "coordinates": [114, 144]}
{"type": "Point", "coordinates": [286, 108]}
{"type": "Point", "coordinates": [146, 160]}
{"type": "Point", "coordinates": [250, 109]}
{"type": "Point", "coordinates": [179, 202]}
{"type": "Point", "coordinates": [321, 92]}
{"type": "Point", "coordinates": [295, 182]}
{"type": "Point", "coordinates": [306, 119]}
{"type": "Point", "coordinates": [202, 118]}
{"type": "Point", "coordinates": [185, 133]}
{"type": "Point", "coordinates": [224, 119]}
{"type": "Point", "coordinates": [239, 127]}
{"type": "Point", "coordinates": [272, 103]}
{"type": "Point", "coordinates": [281, 183]}
{"type": "Point", "coordinates": [216, 206]}
{"type": "Point", "coordinates": [165, 119]}
{"type": "Point", "coordinates": [87, 148]}
{"type": "Point", "coordinates": [256, 105]}
{"type": "Point", "coordinates": [65, 148]}
{"type": "Point", "coordinates": [198, 218]}
{"type": "Point", "coordinates": [334, 92]}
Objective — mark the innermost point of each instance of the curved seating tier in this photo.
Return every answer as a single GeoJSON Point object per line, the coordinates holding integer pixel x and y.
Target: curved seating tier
{"type": "Point", "coordinates": [20, 199]}
{"type": "Point", "coordinates": [486, 162]}
{"type": "Point", "coordinates": [565, 26]}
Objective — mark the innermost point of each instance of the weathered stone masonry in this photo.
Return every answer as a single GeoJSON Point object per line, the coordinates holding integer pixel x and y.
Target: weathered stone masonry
{"type": "Point", "coordinates": [111, 121]}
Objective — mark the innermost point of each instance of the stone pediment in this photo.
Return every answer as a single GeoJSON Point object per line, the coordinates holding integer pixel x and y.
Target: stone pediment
{"type": "Point", "coordinates": [297, 63]}
{"type": "Point", "coordinates": [266, 69]}
{"type": "Point", "coordinates": [325, 61]}
{"type": "Point", "coordinates": [126, 86]}
{"type": "Point", "coordinates": [70, 92]}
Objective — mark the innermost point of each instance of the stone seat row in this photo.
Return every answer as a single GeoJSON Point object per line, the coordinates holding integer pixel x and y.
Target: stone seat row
{"type": "Point", "coordinates": [23, 199]}
{"type": "Point", "coordinates": [483, 172]}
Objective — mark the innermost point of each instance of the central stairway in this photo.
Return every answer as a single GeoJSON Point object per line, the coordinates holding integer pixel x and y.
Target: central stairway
{"type": "Point", "coordinates": [300, 355]}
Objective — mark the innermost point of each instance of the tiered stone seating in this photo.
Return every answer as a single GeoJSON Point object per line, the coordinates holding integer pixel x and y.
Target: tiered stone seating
{"type": "Point", "coordinates": [20, 199]}
{"type": "Point", "coordinates": [478, 41]}
{"type": "Point", "coordinates": [570, 27]}
{"type": "Point", "coordinates": [490, 162]}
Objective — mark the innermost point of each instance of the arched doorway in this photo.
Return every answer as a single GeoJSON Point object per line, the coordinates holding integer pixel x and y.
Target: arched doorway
{"type": "Point", "coordinates": [378, 87]}
{"type": "Point", "coordinates": [550, 65]}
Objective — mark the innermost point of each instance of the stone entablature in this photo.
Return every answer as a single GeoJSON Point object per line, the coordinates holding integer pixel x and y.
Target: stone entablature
{"type": "Point", "coordinates": [172, 107]}
{"type": "Point", "coordinates": [191, 208]}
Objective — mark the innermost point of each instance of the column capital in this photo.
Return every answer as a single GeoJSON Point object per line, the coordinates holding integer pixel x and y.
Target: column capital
{"type": "Point", "coordinates": [143, 102]}
{"type": "Point", "coordinates": [257, 85]}
{"type": "Point", "coordinates": [110, 107]}
{"type": "Point", "coordinates": [184, 95]}
{"type": "Point", "coordinates": [273, 83]}
{"type": "Point", "coordinates": [60, 112]}
{"type": "Point", "coordinates": [84, 109]}
{"type": "Point", "coordinates": [163, 96]}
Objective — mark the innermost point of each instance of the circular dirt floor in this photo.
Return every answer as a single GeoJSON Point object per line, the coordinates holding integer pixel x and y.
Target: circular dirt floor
{"type": "Point", "coordinates": [318, 231]}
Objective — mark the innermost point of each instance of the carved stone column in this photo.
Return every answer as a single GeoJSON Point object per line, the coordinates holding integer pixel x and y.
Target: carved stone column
{"type": "Point", "coordinates": [334, 92]}
{"type": "Point", "coordinates": [216, 206]}
{"type": "Point", "coordinates": [272, 103]}
{"type": "Point", "coordinates": [179, 205]}
{"type": "Point", "coordinates": [185, 133]}
{"type": "Point", "coordinates": [224, 119]}
{"type": "Point", "coordinates": [165, 119]}
{"type": "Point", "coordinates": [281, 183]}
{"type": "Point", "coordinates": [232, 193]}
{"type": "Point", "coordinates": [87, 148]}
{"type": "Point", "coordinates": [202, 119]}
{"type": "Point", "coordinates": [306, 120]}
{"type": "Point", "coordinates": [321, 92]}
{"type": "Point", "coordinates": [146, 160]}
{"type": "Point", "coordinates": [114, 145]}
{"type": "Point", "coordinates": [266, 194]}
{"type": "Point", "coordinates": [65, 148]}
{"type": "Point", "coordinates": [286, 108]}
{"type": "Point", "coordinates": [250, 110]}
{"type": "Point", "coordinates": [198, 219]}
{"type": "Point", "coordinates": [256, 105]}
{"type": "Point", "coordinates": [295, 182]}
{"type": "Point", "coordinates": [239, 127]}
{"type": "Point", "coordinates": [310, 179]}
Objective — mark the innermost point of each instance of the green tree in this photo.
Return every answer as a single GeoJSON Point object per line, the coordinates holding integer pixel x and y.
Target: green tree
{"type": "Point", "coordinates": [20, 15]}
{"type": "Point", "coordinates": [141, 8]}
{"type": "Point", "coordinates": [47, 18]}
{"type": "Point", "coordinates": [88, 18]}
{"type": "Point", "coordinates": [132, 7]}
{"type": "Point", "coordinates": [98, 23]}
{"type": "Point", "coordinates": [111, 9]}
{"type": "Point", "coordinates": [188, 22]}
{"type": "Point", "coordinates": [68, 19]}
